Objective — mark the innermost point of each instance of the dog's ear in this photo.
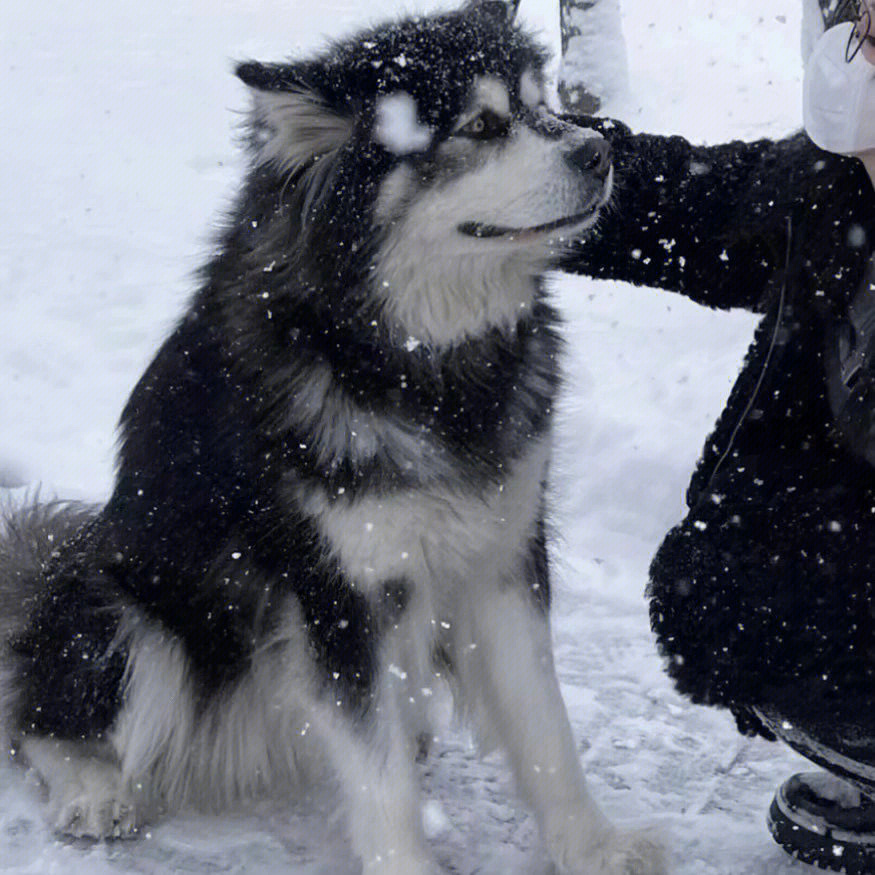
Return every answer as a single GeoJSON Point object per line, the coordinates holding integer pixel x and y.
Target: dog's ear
{"type": "Point", "coordinates": [502, 10]}
{"type": "Point", "coordinates": [291, 123]}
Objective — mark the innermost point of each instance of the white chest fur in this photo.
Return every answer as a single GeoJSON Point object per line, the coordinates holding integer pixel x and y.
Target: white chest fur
{"type": "Point", "coordinates": [433, 536]}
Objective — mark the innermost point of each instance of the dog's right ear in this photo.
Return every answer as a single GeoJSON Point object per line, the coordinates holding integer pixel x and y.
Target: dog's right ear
{"type": "Point", "coordinates": [291, 123]}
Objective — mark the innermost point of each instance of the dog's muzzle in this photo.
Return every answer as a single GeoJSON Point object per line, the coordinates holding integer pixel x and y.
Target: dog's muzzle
{"type": "Point", "coordinates": [593, 157]}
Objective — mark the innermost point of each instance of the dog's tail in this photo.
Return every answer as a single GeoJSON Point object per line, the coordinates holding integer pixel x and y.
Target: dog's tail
{"type": "Point", "coordinates": [30, 535]}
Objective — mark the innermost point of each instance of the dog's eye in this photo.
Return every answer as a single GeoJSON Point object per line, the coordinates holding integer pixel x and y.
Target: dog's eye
{"type": "Point", "coordinates": [486, 126]}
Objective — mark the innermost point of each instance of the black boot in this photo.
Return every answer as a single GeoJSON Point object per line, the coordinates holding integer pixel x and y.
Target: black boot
{"type": "Point", "coordinates": [825, 821]}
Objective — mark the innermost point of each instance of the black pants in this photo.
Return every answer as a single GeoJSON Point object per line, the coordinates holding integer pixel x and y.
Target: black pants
{"type": "Point", "coordinates": [762, 599]}
{"type": "Point", "coordinates": [846, 750]}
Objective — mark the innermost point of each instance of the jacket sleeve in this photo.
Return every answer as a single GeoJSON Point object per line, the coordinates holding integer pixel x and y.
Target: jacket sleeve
{"type": "Point", "coordinates": [711, 222]}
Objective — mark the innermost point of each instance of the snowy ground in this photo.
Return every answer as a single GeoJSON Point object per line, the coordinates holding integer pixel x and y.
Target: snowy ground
{"type": "Point", "coordinates": [118, 155]}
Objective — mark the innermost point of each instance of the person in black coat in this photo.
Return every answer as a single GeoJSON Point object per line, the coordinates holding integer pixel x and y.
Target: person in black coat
{"type": "Point", "coordinates": [763, 597]}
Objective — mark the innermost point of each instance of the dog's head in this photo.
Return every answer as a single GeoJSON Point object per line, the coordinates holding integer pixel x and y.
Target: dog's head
{"type": "Point", "coordinates": [421, 156]}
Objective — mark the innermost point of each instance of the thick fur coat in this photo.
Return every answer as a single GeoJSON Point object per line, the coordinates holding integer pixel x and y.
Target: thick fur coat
{"type": "Point", "coordinates": [331, 488]}
{"type": "Point", "coordinates": [762, 597]}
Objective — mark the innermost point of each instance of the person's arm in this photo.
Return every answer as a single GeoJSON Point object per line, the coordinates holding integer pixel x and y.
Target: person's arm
{"type": "Point", "coordinates": [711, 222]}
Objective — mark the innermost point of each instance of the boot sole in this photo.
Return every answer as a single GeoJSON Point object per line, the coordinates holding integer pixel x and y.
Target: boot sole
{"type": "Point", "coordinates": [812, 839]}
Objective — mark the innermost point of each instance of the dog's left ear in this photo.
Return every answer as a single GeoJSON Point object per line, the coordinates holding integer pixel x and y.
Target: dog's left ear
{"type": "Point", "coordinates": [291, 122]}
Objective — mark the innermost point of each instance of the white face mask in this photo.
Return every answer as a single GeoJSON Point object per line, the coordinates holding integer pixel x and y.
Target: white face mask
{"type": "Point", "coordinates": [838, 104]}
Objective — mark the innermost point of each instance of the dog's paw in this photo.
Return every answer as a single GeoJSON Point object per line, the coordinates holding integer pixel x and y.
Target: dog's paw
{"type": "Point", "coordinates": [402, 865]}
{"type": "Point", "coordinates": [638, 852]}
{"type": "Point", "coordinates": [616, 852]}
{"type": "Point", "coordinates": [93, 804]}
{"type": "Point", "coordinates": [84, 817]}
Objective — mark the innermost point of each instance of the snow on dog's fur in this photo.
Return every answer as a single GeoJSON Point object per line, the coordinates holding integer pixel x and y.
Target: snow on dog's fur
{"type": "Point", "coordinates": [331, 478]}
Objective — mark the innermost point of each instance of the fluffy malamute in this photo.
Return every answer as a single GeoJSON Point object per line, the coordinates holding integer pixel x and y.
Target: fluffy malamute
{"type": "Point", "coordinates": [331, 479]}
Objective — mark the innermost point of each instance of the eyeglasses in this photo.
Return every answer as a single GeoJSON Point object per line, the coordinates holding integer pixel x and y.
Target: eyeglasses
{"type": "Point", "coordinates": [858, 12]}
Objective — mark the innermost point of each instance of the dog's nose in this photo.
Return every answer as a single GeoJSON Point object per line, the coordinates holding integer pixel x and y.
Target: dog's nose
{"type": "Point", "coordinates": [594, 156]}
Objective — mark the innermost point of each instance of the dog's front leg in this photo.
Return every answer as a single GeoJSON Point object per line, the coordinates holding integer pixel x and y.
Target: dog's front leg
{"type": "Point", "coordinates": [509, 663]}
{"type": "Point", "coordinates": [373, 754]}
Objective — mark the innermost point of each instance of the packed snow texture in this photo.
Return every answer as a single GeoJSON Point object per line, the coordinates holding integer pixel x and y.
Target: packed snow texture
{"type": "Point", "coordinates": [119, 158]}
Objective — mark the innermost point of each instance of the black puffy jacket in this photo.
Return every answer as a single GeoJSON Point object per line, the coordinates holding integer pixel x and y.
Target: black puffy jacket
{"type": "Point", "coordinates": [763, 595]}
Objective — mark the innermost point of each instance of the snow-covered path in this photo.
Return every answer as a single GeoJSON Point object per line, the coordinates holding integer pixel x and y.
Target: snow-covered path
{"type": "Point", "coordinates": [118, 156]}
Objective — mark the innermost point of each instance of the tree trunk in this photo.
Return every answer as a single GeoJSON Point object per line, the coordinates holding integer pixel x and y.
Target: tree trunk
{"type": "Point", "coordinates": [594, 67]}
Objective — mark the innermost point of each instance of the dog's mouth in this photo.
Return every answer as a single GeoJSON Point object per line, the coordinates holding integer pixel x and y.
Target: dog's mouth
{"type": "Point", "coordinates": [484, 231]}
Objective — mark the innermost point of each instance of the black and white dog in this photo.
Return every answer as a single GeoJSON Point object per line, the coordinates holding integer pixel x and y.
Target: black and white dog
{"type": "Point", "coordinates": [331, 479]}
